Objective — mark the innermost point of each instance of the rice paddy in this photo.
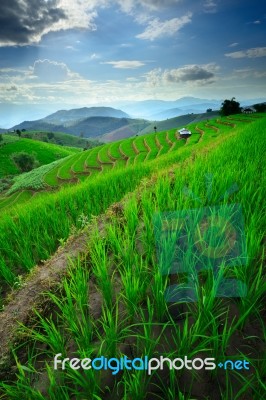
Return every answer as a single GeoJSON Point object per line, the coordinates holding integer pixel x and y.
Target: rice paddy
{"type": "Point", "coordinates": [112, 298]}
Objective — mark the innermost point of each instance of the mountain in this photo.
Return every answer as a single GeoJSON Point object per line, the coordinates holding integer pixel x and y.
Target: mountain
{"type": "Point", "coordinates": [160, 109]}
{"type": "Point", "coordinates": [69, 117]}
{"type": "Point", "coordinates": [91, 127]}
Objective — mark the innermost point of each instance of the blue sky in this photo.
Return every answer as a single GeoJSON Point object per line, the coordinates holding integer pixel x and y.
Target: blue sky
{"type": "Point", "coordinates": [70, 53]}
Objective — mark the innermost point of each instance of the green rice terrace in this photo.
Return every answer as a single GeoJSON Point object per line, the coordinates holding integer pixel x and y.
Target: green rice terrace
{"type": "Point", "coordinates": [45, 152]}
{"type": "Point", "coordinates": [95, 262]}
{"type": "Point", "coordinates": [80, 166]}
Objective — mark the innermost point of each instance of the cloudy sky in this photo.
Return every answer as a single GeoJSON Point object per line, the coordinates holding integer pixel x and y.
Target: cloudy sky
{"type": "Point", "coordinates": [64, 53]}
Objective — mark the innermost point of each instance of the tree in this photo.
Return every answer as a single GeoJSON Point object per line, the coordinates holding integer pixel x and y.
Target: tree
{"type": "Point", "coordinates": [155, 129]}
{"type": "Point", "coordinates": [209, 110]}
{"type": "Point", "coordinates": [18, 132]}
{"type": "Point", "coordinates": [50, 135]}
{"type": "Point", "coordinates": [260, 107]}
{"type": "Point", "coordinates": [230, 107]}
{"type": "Point", "coordinates": [24, 161]}
{"type": "Point", "coordinates": [1, 138]}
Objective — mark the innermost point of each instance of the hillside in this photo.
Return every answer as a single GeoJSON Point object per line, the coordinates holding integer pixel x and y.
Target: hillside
{"type": "Point", "coordinates": [59, 138]}
{"type": "Point", "coordinates": [159, 255]}
{"type": "Point", "coordinates": [182, 120]}
{"type": "Point", "coordinates": [70, 117]}
{"type": "Point", "coordinates": [121, 153]}
{"type": "Point", "coordinates": [92, 127]}
{"type": "Point", "coordinates": [44, 153]}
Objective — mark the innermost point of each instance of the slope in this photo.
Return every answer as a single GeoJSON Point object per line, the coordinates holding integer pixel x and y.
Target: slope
{"type": "Point", "coordinates": [45, 153]}
{"type": "Point", "coordinates": [112, 302]}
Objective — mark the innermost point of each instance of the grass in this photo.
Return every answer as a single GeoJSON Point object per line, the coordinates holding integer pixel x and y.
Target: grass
{"type": "Point", "coordinates": [123, 265]}
{"type": "Point", "coordinates": [79, 202]}
{"type": "Point", "coordinates": [34, 179]}
{"type": "Point", "coordinates": [106, 157]}
{"type": "Point", "coordinates": [45, 153]}
{"type": "Point", "coordinates": [59, 138]}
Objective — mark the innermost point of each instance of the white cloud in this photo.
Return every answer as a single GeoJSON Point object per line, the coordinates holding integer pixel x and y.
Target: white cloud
{"type": "Point", "coordinates": [129, 5]}
{"type": "Point", "coordinates": [125, 64]}
{"type": "Point", "coordinates": [197, 74]}
{"type": "Point", "coordinates": [209, 6]}
{"type": "Point", "coordinates": [157, 28]}
{"type": "Point", "coordinates": [94, 56]}
{"type": "Point", "coordinates": [51, 71]}
{"type": "Point", "coordinates": [233, 44]}
{"type": "Point", "coordinates": [257, 22]}
{"type": "Point", "coordinates": [250, 53]}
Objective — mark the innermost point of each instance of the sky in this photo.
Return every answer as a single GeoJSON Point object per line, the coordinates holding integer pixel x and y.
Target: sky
{"type": "Point", "coordinates": [58, 54]}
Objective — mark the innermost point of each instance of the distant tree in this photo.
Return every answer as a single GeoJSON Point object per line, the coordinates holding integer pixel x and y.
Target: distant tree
{"type": "Point", "coordinates": [260, 107]}
{"type": "Point", "coordinates": [81, 134]}
{"type": "Point", "coordinates": [1, 138]}
{"type": "Point", "coordinates": [230, 107]}
{"type": "Point", "coordinates": [209, 110]}
{"type": "Point", "coordinates": [23, 130]}
{"type": "Point", "coordinates": [50, 135]}
{"type": "Point", "coordinates": [155, 129]}
{"type": "Point", "coordinates": [18, 132]}
{"type": "Point", "coordinates": [24, 161]}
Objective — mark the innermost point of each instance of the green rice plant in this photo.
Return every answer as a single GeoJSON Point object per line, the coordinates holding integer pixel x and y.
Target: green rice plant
{"type": "Point", "coordinates": [33, 179]}
{"type": "Point", "coordinates": [136, 281]}
{"type": "Point", "coordinates": [140, 158]}
{"type": "Point", "coordinates": [114, 149]}
{"type": "Point", "coordinates": [48, 333]}
{"type": "Point", "coordinates": [162, 140]}
{"type": "Point", "coordinates": [64, 172]}
{"type": "Point", "coordinates": [103, 156]}
{"type": "Point", "coordinates": [139, 143]}
{"type": "Point", "coordinates": [79, 165]}
{"type": "Point", "coordinates": [16, 198]}
{"type": "Point", "coordinates": [112, 331]}
{"type": "Point", "coordinates": [79, 385]}
{"type": "Point", "coordinates": [101, 269]}
{"type": "Point", "coordinates": [120, 163]}
{"type": "Point", "coordinates": [127, 149]}
{"type": "Point", "coordinates": [6, 275]}
{"type": "Point", "coordinates": [134, 385]}
{"type": "Point", "coordinates": [193, 139]}
{"type": "Point", "coordinates": [22, 388]}
{"type": "Point", "coordinates": [74, 304]}
{"type": "Point", "coordinates": [131, 214]}
{"type": "Point", "coordinates": [92, 158]}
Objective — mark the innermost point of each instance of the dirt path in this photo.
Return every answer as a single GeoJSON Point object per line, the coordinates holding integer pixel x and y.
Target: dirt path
{"type": "Point", "coordinates": [43, 278]}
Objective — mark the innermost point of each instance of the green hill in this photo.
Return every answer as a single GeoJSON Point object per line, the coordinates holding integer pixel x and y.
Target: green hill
{"type": "Point", "coordinates": [59, 138]}
{"type": "Point", "coordinates": [44, 153]}
{"type": "Point", "coordinates": [178, 121]}
{"type": "Point", "coordinates": [108, 157]}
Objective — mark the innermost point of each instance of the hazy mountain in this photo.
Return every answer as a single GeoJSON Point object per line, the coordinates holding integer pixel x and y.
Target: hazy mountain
{"type": "Point", "coordinates": [91, 127]}
{"type": "Point", "coordinates": [70, 117]}
{"type": "Point", "coordinates": [13, 114]}
{"type": "Point", "coordinates": [154, 109]}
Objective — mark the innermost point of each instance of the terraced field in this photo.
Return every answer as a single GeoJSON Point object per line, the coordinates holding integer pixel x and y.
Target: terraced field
{"type": "Point", "coordinates": [44, 153]}
{"type": "Point", "coordinates": [124, 153]}
{"type": "Point", "coordinates": [87, 280]}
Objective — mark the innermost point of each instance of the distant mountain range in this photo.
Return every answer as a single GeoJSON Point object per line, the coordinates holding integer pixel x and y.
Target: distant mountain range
{"type": "Point", "coordinates": [86, 122]}
{"type": "Point", "coordinates": [154, 110]}
{"type": "Point", "coordinates": [158, 110]}
{"type": "Point", "coordinates": [70, 117]}
{"type": "Point", "coordinates": [108, 123]}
